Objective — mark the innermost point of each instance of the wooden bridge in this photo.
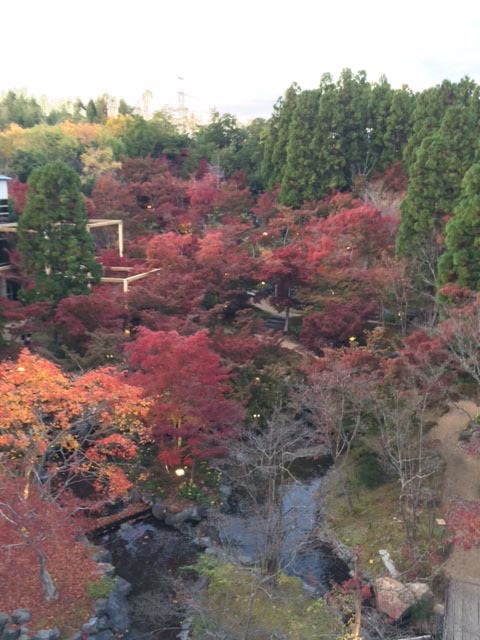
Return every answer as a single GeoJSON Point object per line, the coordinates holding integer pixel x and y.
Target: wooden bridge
{"type": "Point", "coordinates": [462, 613]}
{"type": "Point", "coordinates": [132, 512]}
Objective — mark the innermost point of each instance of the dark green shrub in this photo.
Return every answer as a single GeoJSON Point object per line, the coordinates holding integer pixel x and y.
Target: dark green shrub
{"type": "Point", "coordinates": [369, 471]}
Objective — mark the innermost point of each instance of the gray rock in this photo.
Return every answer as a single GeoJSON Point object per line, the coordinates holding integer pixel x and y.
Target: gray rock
{"type": "Point", "coordinates": [421, 591]}
{"type": "Point", "coordinates": [90, 627]}
{"type": "Point", "coordinates": [246, 560]}
{"type": "Point", "coordinates": [76, 636]}
{"type": "Point", "coordinates": [24, 636]}
{"type": "Point", "coordinates": [308, 588]}
{"type": "Point", "coordinates": [388, 563]}
{"type": "Point", "coordinates": [159, 511]}
{"type": "Point", "coordinates": [47, 634]}
{"type": "Point", "coordinates": [102, 555]}
{"type": "Point", "coordinates": [4, 619]}
{"type": "Point", "coordinates": [192, 514]}
{"type": "Point", "coordinates": [117, 610]}
{"type": "Point", "coordinates": [21, 616]}
{"type": "Point", "coordinates": [211, 551]}
{"type": "Point", "coordinates": [202, 543]}
{"type": "Point", "coordinates": [225, 491]}
{"type": "Point", "coordinates": [104, 635]}
{"type": "Point", "coordinates": [106, 568]}
{"type": "Point", "coordinates": [133, 634]}
{"type": "Point", "coordinates": [147, 497]}
{"type": "Point", "coordinates": [10, 632]}
{"type": "Point", "coordinates": [134, 495]}
{"type": "Point", "coordinates": [186, 629]}
{"type": "Point", "coordinates": [100, 606]}
{"type": "Point", "coordinates": [103, 623]}
{"type": "Point", "coordinates": [122, 586]}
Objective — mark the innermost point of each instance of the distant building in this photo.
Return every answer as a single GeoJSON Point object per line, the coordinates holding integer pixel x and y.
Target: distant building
{"type": "Point", "coordinates": [10, 279]}
{"type": "Point", "coordinates": [4, 196]}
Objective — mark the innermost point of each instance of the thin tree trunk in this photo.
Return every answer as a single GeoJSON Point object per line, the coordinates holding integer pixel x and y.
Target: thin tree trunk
{"type": "Point", "coordinates": [49, 588]}
{"type": "Point", "coordinates": [287, 317]}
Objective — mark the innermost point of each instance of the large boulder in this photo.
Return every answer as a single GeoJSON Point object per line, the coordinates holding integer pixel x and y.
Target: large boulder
{"type": "Point", "coordinates": [90, 627]}
{"type": "Point", "coordinates": [4, 620]}
{"type": "Point", "coordinates": [102, 555]}
{"type": "Point", "coordinates": [100, 607]}
{"type": "Point", "coordinates": [117, 611]}
{"type": "Point", "coordinates": [191, 514]}
{"type": "Point", "coordinates": [395, 599]}
{"type": "Point", "coordinates": [21, 616]}
{"type": "Point", "coordinates": [10, 632]}
{"type": "Point", "coordinates": [122, 586]}
{"type": "Point", "coordinates": [421, 592]}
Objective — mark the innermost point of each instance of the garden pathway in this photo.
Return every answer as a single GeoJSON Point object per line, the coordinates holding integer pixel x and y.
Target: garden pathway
{"type": "Point", "coordinates": [286, 343]}
{"type": "Point", "coordinates": [462, 480]}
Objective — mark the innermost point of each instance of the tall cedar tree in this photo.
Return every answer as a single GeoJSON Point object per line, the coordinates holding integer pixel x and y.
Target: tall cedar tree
{"type": "Point", "coordinates": [461, 261]}
{"type": "Point", "coordinates": [333, 136]}
{"type": "Point", "coordinates": [434, 188]}
{"type": "Point", "coordinates": [429, 110]}
{"type": "Point", "coordinates": [398, 126]}
{"type": "Point", "coordinates": [326, 140]}
{"type": "Point", "coordinates": [57, 249]}
{"type": "Point", "coordinates": [275, 147]}
{"type": "Point", "coordinates": [298, 182]}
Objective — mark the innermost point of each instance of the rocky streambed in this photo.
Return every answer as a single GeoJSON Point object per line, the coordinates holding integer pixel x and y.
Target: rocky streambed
{"type": "Point", "coordinates": [151, 554]}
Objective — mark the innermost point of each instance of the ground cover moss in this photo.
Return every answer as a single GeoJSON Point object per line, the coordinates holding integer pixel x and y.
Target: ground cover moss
{"type": "Point", "coordinates": [284, 610]}
{"type": "Point", "coordinates": [374, 522]}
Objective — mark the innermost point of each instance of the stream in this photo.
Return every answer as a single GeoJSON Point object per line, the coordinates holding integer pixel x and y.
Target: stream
{"type": "Point", "coordinates": [150, 554]}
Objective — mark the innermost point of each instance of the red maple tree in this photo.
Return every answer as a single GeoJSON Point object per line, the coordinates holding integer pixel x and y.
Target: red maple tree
{"type": "Point", "coordinates": [191, 414]}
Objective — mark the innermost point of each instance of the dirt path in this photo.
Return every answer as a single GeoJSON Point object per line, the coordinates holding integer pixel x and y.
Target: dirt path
{"type": "Point", "coordinates": [265, 306]}
{"type": "Point", "coordinates": [462, 480]}
{"type": "Point", "coordinates": [286, 343]}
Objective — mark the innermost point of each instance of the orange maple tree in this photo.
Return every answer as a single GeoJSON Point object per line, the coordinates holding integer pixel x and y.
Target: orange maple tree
{"type": "Point", "coordinates": [56, 426]}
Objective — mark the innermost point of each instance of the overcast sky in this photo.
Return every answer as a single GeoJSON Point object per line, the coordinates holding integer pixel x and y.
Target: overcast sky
{"type": "Point", "coordinates": [236, 56]}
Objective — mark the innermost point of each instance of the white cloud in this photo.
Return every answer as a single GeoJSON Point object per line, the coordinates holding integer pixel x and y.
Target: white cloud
{"type": "Point", "coordinates": [235, 56]}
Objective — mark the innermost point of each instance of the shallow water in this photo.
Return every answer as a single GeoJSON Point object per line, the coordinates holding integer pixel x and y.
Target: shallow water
{"type": "Point", "coordinates": [318, 567]}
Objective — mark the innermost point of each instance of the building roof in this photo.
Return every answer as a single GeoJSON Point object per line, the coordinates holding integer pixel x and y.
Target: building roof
{"type": "Point", "coordinates": [4, 178]}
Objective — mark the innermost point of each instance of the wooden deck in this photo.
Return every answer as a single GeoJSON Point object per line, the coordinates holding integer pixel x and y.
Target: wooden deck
{"type": "Point", "coordinates": [462, 616]}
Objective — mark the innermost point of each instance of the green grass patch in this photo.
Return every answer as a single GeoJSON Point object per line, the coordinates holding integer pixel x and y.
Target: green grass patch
{"type": "Point", "coordinates": [102, 588]}
{"type": "Point", "coordinates": [375, 523]}
{"type": "Point", "coordinates": [281, 611]}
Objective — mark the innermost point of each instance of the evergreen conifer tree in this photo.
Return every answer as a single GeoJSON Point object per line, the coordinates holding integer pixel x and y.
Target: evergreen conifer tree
{"type": "Point", "coordinates": [434, 189]}
{"type": "Point", "coordinates": [398, 126]}
{"type": "Point", "coordinates": [327, 139]}
{"type": "Point", "coordinates": [461, 261]}
{"type": "Point", "coordinates": [299, 178]}
{"type": "Point", "coordinates": [57, 249]}
{"type": "Point", "coordinates": [275, 149]}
